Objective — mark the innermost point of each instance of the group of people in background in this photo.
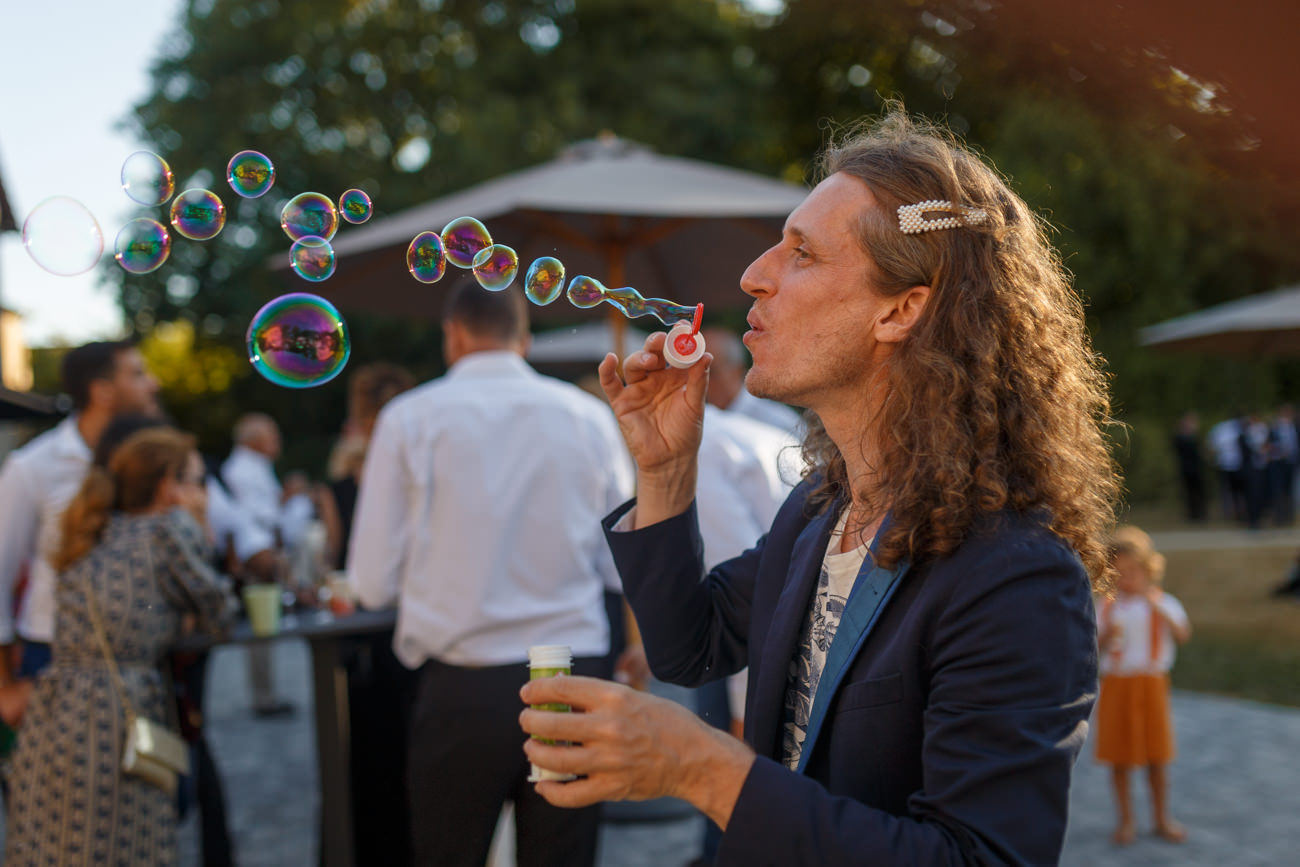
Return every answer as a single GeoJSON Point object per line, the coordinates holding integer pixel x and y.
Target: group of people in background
{"type": "Point", "coordinates": [1254, 456]}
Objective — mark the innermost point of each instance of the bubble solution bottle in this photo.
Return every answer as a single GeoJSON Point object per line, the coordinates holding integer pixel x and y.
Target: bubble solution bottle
{"type": "Point", "coordinates": [549, 660]}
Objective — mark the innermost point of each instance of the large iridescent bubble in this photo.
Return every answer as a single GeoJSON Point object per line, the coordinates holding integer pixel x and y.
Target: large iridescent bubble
{"type": "Point", "coordinates": [425, 257]}
{"type": "Point", "coordinates": [198, 215]}
{"type": "Point", "coordinates": [63, 236]}
{"type": "Point", "coordinates": [544, 281]}
{"type": "Point", "coordinates": [495, 267]}
{"type": "Point", "coordinates": [309, 214]}
{"type": "Point", "coordinates": [463, 238]}
{"type": "Point", "coordinates": [298, 341]}
{"type": "Point", "coordinates": [250, 174]}
{"type": "Point", "coordinates": [147, 179]}
{"type": "Point", "coordinates": [142, 246]}
{"type": "Point", "coordinates": [355, 207]}
{"type": "Point", "coordinates": [312, 258]}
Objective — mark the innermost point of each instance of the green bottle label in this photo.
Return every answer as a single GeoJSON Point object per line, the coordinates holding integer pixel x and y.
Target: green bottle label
{"type": "Point", "coordinates": [537, 674]}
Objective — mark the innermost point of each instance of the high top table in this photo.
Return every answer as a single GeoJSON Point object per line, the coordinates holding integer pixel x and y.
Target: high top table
{"type": "Point", "coordinates": [326, 634]}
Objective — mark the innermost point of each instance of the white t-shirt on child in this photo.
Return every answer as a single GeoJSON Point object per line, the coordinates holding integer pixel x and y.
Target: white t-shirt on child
{"type": "Point", "coordinates": [1129, 652]}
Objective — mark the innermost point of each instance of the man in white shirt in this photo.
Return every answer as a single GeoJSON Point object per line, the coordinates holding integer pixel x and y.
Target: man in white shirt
{"type": "Point", "coordinates": [282, 513]}
{"type": "Point", "coordinates": [479, 517]}
{"type": "Point", "coordinates": [727, 384]}
{"type": "Point", "coordinates": [104, 379]}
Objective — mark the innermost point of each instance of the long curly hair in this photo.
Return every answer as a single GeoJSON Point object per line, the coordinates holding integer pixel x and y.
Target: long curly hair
{"type": "Point", "coordinates": [995, 400]}
{"type": "Point", "coordinates": [128, 484]}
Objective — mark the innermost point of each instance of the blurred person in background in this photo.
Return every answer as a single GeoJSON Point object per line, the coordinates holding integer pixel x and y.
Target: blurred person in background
{"type": "Point", "coordinates": [479, 518]}
{"type": "Point", "coordinates": [284, 512]}
{"type": "Point", "coordinates": [132, 562]}
{"type": "Point", "coordinates": [1283, 456]}
{"type": "Point", "coordinates": [104, 379]}
{"type": "Point", "coordinates": [1191, 477]}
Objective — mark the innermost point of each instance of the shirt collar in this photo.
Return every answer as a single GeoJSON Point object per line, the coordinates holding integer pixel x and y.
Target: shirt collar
{"type": "Point", "coordinates": [494, 362]}
{"type": "Point", "coordinates": [69, 441]}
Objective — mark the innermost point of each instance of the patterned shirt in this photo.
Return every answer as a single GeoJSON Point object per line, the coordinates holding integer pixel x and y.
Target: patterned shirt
{"type": "Point", "coordinates": [839, 571]}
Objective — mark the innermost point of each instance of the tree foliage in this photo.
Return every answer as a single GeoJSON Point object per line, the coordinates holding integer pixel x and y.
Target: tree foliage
{"type": "Point", "coordinates": [1141, 168]}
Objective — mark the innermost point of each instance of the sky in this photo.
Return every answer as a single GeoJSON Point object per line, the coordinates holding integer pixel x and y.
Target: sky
{"type": "Point", "coordinates": [65, 91]}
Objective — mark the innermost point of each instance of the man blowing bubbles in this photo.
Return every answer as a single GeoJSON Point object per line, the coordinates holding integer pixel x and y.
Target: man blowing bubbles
{"type": "Point", "coordinates": [918, 621]}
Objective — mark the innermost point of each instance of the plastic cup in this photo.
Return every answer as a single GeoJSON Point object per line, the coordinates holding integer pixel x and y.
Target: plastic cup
{"type": "Point", "coordinates": [263, 602]}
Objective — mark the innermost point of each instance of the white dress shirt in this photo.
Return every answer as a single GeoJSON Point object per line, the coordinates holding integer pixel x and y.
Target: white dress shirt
{"type": "Point", "coordinates": [36, 484]}
{"type": "Point", "coordinates": [778, 415]}
{"type": "Point", "coordinates": [479, 515]}
{"type": "Point", "coordinates": [233, 525]}
{"type": "Point", "coordinates": [250, 477]}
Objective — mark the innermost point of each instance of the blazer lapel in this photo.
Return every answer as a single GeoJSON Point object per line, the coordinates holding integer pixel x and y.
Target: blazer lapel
{"type": "Point", "coordinates": [872, 590]}
{"type": "Point", "coordinates": [766, 707]}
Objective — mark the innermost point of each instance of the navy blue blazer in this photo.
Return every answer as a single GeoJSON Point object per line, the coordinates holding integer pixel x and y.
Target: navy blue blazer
{"type": "Point", "coordinates": [962, 705]}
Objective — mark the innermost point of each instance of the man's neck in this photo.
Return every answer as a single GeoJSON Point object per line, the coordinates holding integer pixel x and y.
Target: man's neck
{"type": "Point", "coordinates": [849, 425]}
{"type": "Point", "coordinates": [91, 424]}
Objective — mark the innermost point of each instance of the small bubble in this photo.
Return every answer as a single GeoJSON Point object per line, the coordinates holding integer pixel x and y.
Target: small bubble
{"type": "Point", "coordinates": [495, 267]}
{"type": "Point", "coordinates": [463, 238]}
{"type": "Point", "coordinates": [142, 246]}
{"type": "Point", "coordinates": [198, 215]}
{"type": "Point", "coordinates": [298, 341]}
{"type": "Point", "coordinates": [312, 258]}
{"type": "Point", "coordinates": [354, 206]}
{"type": "Point", "coordinates": [63, 237]}
{"type": "Point", "coordinates": [250, 174]}
{"type": "Point", "coordinates": [425, 257]}
{"type": "Point", "coordinates": [544, 281]}
{"type": "Point", "coordinates": [309, 214]}
{"type": "Point", "coordinates": [147, 179]}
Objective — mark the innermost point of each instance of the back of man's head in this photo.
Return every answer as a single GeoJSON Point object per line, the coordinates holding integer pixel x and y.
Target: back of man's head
{"type": "Point", "coordinates": [490, 316]}
{"type": "Point", "coordinates": [119, 430]}
{"type": "Point", "coordinates": [86, 364]}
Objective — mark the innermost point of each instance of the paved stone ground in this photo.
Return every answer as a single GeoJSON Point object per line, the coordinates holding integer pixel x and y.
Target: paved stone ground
{"type": "Point", "coordinates": [1235, 785]}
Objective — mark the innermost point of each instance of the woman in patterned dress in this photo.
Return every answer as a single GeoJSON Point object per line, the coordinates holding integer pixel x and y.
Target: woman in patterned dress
{"type": "Point", "coordinates": [133, 538]}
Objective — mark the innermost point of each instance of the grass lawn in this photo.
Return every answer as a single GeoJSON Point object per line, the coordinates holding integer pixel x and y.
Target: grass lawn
{"type": "Point", "coordinates": [1245, 643]}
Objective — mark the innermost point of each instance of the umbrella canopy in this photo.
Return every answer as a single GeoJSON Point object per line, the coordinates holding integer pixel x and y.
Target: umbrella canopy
{"type": "Point", "coordinates": [573, 352]}
{"type": "Point", "coordinates": [1260, 325]}
{"type": "Point", "coordinates": [609, 208]}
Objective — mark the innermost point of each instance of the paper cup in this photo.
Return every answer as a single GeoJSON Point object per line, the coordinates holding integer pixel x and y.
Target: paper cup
{"type": "Point", "coordinates": [262, 601]}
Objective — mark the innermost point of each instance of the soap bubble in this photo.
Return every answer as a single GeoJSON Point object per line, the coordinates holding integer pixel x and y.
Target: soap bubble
{"type": "Point", "coordinates": [63, 237]}
{"type": "Point", "coordinates": [147, 179]}
{"type": "Point", "coordinates": [586, 291]}
{"type": "Point", "coordinates": [425, 257]}
{"type": "Point", "coordinates": [198, 215]}
{"type": "Point", "coordinates": [495, 267]}
{"type": "Point", "coordinates": [462, 238]}
{"type": "Point", "coordinates": [309, 214]}
{"type": "Point", "coordinates": [298, 341]}
{"type": "Point", "coordinates": [142, 246]}
{"type": "Point", "coordinates": [354, 206]}
{"type": "Point", "coordinates": [250, 174]}
{"type": "Point", "coordinates": [312, 258]}
{"type": "Point", "coordinates": [544, 281]}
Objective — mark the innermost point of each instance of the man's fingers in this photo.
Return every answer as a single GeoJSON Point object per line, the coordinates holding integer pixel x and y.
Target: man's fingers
{"type": "Point", "coordinates": [577, 793]}
{"type": "Point", "coordinates": [609, 381]}
{"type": "Point", "coordinates": [581, 693]}
{"type": "Point", "coordinates": [558, 726]}
{"type": "Point", "coordinates": [570, 759]}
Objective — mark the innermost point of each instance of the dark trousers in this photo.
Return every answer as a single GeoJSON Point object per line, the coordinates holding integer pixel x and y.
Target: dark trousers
{"type": "Point", "coordinates": [214, 832]}
{"type": "Point", "coordinates": [465, 759]}
{"type": "Point", "coordinates": [713, 704]}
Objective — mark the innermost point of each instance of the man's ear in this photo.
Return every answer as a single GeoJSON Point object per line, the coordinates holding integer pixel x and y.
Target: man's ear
{"type": "Point", "coordinates": [902, 312]}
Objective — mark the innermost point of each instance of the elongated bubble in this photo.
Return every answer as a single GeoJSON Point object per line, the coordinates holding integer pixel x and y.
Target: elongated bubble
{"type": "Point", "coordinates": [587, 291]}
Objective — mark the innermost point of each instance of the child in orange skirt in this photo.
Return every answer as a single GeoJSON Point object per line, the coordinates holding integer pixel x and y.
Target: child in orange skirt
{"type": "Point", "coordinates": [1137, 631]}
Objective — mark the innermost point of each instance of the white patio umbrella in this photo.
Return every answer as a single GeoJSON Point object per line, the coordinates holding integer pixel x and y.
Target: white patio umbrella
{"type": "Point", "coordinates": [1267, 324]}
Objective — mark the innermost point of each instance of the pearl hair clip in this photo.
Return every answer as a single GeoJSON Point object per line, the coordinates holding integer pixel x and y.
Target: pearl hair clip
{"type": "Point", "coordinates": [912, 219]}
